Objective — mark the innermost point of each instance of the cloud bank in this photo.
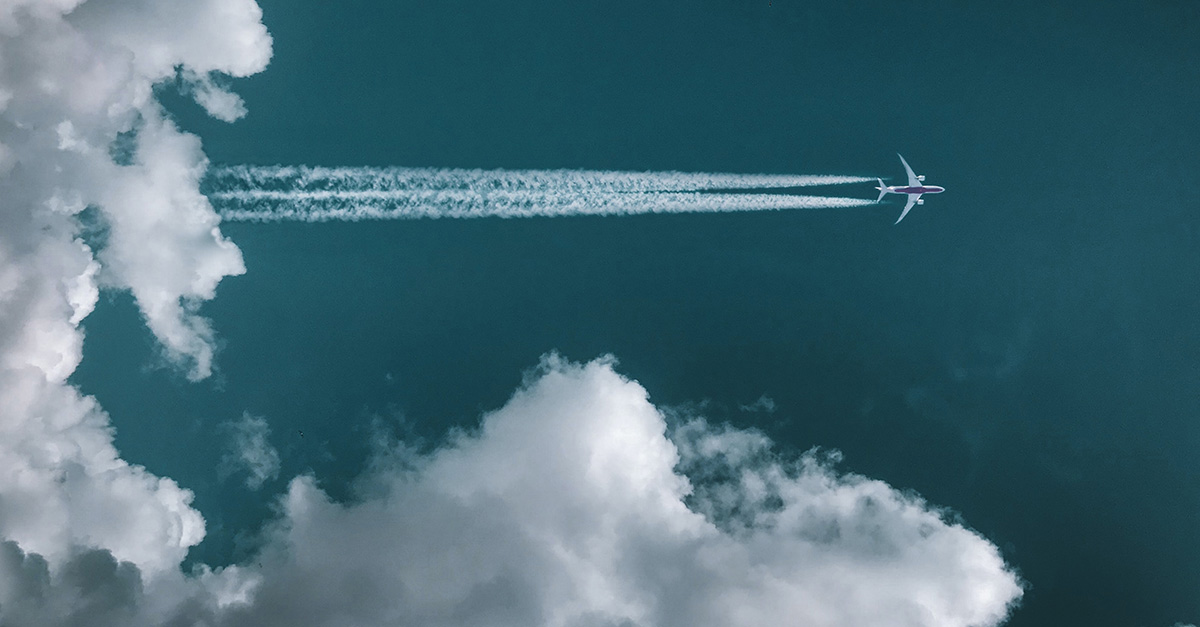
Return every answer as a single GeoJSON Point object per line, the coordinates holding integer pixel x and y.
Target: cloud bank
{"type": "Point", "coordinates": [569, 506]}
{"type": "Point", "coordinates": [576, 504]}
{"type": "Point", "coordinates": [76, 81]}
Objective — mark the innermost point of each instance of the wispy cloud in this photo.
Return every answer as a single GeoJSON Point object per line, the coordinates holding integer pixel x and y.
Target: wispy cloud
{"type": "Point", "coordinates": [217, 101]}
{"type": "Point", "coordinates": [764, 404]}
{"type": "Point", "coordinates": [250, 451]}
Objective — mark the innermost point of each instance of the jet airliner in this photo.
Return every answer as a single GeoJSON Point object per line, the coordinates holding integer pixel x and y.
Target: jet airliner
{"type": "Point", "coordinates": [915, 188]}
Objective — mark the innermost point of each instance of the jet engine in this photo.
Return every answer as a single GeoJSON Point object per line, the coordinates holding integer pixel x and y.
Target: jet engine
{"type": "Point", "coordinates": [920, 201]}
{"type": "Point", "coordinates": [921, 177]}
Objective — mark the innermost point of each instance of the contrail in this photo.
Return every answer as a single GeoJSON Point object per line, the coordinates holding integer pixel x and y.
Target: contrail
{"type": "Point", "coordinates": [316, 194]}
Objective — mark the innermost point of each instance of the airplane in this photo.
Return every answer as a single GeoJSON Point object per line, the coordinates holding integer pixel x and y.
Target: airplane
{"type": "Point", "coordinates": [915, 188]}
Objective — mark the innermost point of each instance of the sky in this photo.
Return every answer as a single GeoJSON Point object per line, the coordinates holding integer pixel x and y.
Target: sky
{"type": "Point", "coordinates": [400, 313]}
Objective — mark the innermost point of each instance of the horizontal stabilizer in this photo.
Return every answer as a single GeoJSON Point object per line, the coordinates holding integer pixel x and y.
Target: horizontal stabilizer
{"type": "Point", "coordinates": [883, 190]}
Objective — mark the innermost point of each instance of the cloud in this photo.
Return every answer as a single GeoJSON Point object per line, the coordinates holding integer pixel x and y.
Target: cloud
{"type": "Point", "coordinates": [251, 452]}
{"type": "Point", "coordinates": [217, 101]}
{"type": "Point", "coordinates": [573, 504]}
{"type": "Point", "coordinates": [568, 506]}
{"type": "Point", "coordinates": [91, 588]}
{"type": "Point", "coordinates": [764, 404]}
{"type": "Point", "coordinates": [75, 76]}
{"type": "Point", "coordinates": [164, 244]}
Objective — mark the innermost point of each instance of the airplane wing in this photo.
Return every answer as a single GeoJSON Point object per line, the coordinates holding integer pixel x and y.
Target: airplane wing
{"type": "Point", "coordinates": [913, 181]}
{"type": "Point", "coordinates": [912, 200]}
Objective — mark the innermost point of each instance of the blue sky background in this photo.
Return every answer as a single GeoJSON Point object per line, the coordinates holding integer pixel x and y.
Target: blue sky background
{"type": "Point", "coordinates": [1022, 349]}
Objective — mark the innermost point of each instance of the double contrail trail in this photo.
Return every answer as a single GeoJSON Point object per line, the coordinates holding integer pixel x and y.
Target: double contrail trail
{"type": "Point", "coordinates": [317, 194]}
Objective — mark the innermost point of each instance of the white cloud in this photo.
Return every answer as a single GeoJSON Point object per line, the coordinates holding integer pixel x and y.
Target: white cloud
{"type": "Point", "coordinates": [164, 244]}
{"type": "Point", "coordinates": [566, 508]}
{"type": "Point", "coordinates": [64, 484]}
{"type": "Point", "coordinates": [251, 452]}
{"type": "Point", "coordinates": [74, 75]}
{"type": "Point", "coordinates": [217, 101]}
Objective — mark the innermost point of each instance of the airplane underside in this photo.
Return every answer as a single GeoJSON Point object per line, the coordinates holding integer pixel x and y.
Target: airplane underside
{"type": "Point", "coordinates": [914, 190]}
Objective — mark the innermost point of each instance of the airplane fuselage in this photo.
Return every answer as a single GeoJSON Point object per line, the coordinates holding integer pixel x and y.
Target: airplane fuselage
{"type": "Point", "coordinates": [922, 189]}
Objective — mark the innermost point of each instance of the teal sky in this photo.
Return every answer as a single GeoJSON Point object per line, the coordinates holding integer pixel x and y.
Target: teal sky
{"type": "Point", "coordinates": [1022, 349]}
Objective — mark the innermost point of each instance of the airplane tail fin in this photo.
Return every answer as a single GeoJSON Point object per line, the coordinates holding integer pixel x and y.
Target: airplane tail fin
{"type": "Point", "coordinates": [883, 190]}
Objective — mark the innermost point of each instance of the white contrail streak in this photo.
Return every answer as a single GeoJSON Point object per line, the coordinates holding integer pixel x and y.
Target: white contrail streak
{"type": "Point", "coordinates": [313, 194]}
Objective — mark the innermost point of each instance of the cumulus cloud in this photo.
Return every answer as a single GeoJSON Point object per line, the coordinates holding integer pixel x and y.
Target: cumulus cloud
{"type": "Point", "coordinates": [250, 451]}
{"type": "Point", "coordinates": [574, 504]}
{"type": "Point", "coordinates": [91, 588]}
{"type": "Point", "coordinates": [74, 76]}
{"type": "Point", "coordinates": [570, 506]}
